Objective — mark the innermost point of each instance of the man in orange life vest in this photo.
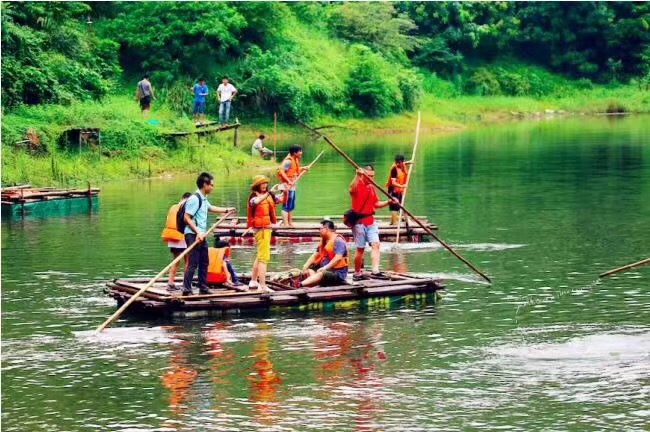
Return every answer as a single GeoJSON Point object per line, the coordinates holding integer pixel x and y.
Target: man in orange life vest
{"type": "Point", "coordinates": [260, 217]}
{"type": "Point", "coordinates": [328, 266]}
{"type": "Point", "coordinates": [174, 239]}
{"type": "Point", "coordinates": [364, 203]}
{"type": "Point", "coordinates": [196, 218]}
{"type": "Point", "coordinates": [288, 172]}
{"type": "Point", "coordinates": [396, 184]}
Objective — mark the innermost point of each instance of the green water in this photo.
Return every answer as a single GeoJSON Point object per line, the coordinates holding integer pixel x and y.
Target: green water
{"type": "Point", "coordinates": [541, 207]}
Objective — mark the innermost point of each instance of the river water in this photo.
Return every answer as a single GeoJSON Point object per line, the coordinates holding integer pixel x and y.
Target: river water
{"type": "Point", "coordinates": [542, 207]}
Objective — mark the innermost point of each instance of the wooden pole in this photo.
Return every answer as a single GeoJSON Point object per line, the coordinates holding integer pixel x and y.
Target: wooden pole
{"type": "Point", "coordinates": [310, 165]}
{"type": "Point", "coordinates": [408, 178]}
{"type": "Point", "coordinates": [408, 213]}
{"type": "Point", "coordinates": [155, 278]}
{"type": "Point", "coordinates": [629, 266]}
{"type": "Point", "coordinates": [275, 135]}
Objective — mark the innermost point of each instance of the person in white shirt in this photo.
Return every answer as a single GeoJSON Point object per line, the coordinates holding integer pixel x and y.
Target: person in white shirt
{"type": "Point", "coordinates": [225, 92]}
{"type": "Point", "coordinates": [258, 149]}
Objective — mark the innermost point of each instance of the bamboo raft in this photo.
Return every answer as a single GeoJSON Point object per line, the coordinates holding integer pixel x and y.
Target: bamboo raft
{"type": "Point", "coordinates": [157, 301]}
{"type": "Point", "coordinates": [18, 200]}
{"type": "Point", "coordinates": [307, 229]}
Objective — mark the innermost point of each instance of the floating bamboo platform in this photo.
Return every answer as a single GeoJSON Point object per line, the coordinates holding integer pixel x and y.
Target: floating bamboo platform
{"type": "Point", "coordinates": [307, 229]}
{"type": "Point", "coordinates": [158, 302]}
{"type": "Point", "coordinates": [24, 199]}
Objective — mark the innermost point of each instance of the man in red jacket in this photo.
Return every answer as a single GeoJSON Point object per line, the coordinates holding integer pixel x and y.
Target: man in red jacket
{"type": "Point", "coordinates": [364, 203]}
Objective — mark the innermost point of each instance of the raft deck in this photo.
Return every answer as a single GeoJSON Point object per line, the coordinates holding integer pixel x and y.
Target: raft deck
{"type": "Point", "coordinates": [157, 301]}
{"type": "Point", "coordinates": [20, 200]}
{"type": "Point", "coordinates": [307, 229]}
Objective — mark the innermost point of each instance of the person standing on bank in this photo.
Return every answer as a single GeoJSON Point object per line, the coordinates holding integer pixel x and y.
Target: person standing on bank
{"type": "Point", "coordinates": [288, 172]}
{"type": "Point", "coordinates": [144, 92]}
{"type": "Point", "coordinates": [364, 203]}
{"type": "Point", "coordinates": [396, 184]}
{"type": "Point", "coordinates": [225, 92]}
{"type": "Point", "coordinates": [200, 91]}
{"type": "Point", "coordinates": [197, 208]}
{"type": "Point", "coordinates": [260, 217]}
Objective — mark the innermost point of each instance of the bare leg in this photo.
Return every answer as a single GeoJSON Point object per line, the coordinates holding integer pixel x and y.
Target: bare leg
{"type": "Point", "coordinates": [358, 260]}
{"type": "Point", "coordinates": [262, 275]}
{"type": "Point", "coordinates": [255, 271]}
{"type": "Point", "coordinates": [174, 268]}
{"type": "Point", "coordinates": [313, 279]}
{"type": "Point", "coordinates": [374, 256]}
{"type": "Point", "coordinates": [285, 218]}
{"type": "Point", "coordinates": [393, 218]}
{"type": "Point", "coordinates": [290, 219]}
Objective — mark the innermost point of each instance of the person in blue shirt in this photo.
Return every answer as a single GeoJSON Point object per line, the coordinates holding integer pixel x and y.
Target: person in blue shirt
{"type": "Point", "coordinates": [197, 207]}
{"type": "Point", "coordinates": [200, 91]}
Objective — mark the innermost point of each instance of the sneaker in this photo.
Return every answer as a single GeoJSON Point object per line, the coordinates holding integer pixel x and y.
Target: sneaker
{"type": "Point", "coordinates": [359, 277]}
{"type": "Point", "coordinates": [187, 292]}
{"type": "Point", "coordinates": [172, 287]}
{"type": "Point", "coordinates": [267, 289]}
{"type": "Point", "coordinates": [379, 275]}
{"type": "Point", "coordinates": [253, 285]}
{"type": "Point", "coordinates": [205, 290]}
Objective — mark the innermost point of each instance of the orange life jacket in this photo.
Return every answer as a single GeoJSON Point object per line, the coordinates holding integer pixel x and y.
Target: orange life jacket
{"type": "Point", "coordinates": [327, 251]}
{"type": "Point", "coordinates": [216, 267]}
{"type": "Point", "coordinates": [262, 215]}
{"type": "Point", "coordinates": [294, 170]}
{"type": "Point", "coordinates": [170, 233]}
{"type": "Point", "coordinates": [402, 175]}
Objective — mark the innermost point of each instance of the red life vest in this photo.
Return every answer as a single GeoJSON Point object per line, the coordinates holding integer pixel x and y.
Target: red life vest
{"type": "Point", "coordinates": [216, 267]}
{"type": "Point", "coordinates": [170, 233]}
{"type": "Point", "coordinates": [327, 251]}
{"type": "Point", "coordinates": [262, 215]}
{"type": "Point", "coordinates": [402, 175]}
{"type": "Point", "coordinates": [294, 170]}
{"type": "Point", "coordinates": [364, 199]}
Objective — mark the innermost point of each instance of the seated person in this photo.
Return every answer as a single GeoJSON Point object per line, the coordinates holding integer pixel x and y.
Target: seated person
{"type": "Point", "coordinates": [220, 271]}
{"type": "Point", "coordinates": [328, 266]}
{"type": "Point", "coordinates": [259, 150]}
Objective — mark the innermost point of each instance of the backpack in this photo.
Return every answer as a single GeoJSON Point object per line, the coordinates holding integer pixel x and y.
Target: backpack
{"type": "Point", "coordinates": [180, 215]}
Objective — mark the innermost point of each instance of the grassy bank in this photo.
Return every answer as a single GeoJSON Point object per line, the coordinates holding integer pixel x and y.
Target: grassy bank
{"type": "Point", "coordinates": [134, 148]}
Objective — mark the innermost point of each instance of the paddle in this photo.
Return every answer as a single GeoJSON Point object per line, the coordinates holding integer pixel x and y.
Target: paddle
{"type": "Point", "coordinates": [155, 278]}
{"type": "Point", "coordinates": [408, 213]}
{"type": "Point", "coordinates": [408, 179]}
{"type": "Point", "coordinates": [629, 266]}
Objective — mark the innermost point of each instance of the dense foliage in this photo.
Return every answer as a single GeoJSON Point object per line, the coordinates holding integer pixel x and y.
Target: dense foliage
{"type": "Point", "coordinates": [309, 58]}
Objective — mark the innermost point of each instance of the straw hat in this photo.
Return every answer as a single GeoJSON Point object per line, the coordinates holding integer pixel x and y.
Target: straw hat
{"type": "Point", "coordinates": [258, 180]}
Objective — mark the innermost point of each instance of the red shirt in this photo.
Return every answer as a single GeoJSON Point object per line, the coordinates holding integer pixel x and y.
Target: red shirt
{"type": "Point", "coordinates": [364, 199]}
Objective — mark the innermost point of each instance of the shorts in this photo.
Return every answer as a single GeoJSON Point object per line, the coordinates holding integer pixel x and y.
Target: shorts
{"type": "Point", "coordinates": [331, 278]}
{"type": "Point", "coordinates": [263, 241]}
{"type": "Point", "coordinates": [290, 201]}
{"type": "Point", "coordinates": [398, 197]}
{"type": "Point", "coordinates": [145, 102]}
{"type": "Point", "coordinates": [199, 107]}
{"type": "Point", "coordinates": [176, 251]}
{"type": "Point", "coordinates": [365, 234]}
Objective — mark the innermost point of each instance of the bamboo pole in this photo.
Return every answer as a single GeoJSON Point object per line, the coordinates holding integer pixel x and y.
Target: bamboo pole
{"type": "Point", "coordinates": [626, 267]}
{"type": "Point", "coordinates": [408, 213]}
{"type": "Point", "coordinates": [155, 278]}
{"type": "Point", "coordinates": [408, 178]}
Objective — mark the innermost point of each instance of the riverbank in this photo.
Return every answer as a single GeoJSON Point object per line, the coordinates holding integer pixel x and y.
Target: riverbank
{"type": "Point", "coordinates": [134, 148]}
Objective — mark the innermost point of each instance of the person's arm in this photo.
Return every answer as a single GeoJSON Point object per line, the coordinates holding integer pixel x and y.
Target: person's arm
{"type": "Point", "coordinates": [206, 91]}
{"type": "Point", "coordinates": [310, 261]}
{"type": "Point", "coordinates": [219, 92]}
{"type": "Point", "coordinates": [192, 89]}
{"type": "Point", "coordinates": [339, 251]}
{"type": "Point", "coordinates": [331, 264]}
{"type": "Point", "coordinates": [259, 198]}
{"type": "Point", "coordinates": [234, 92]}
{"type": "Point", "coordinates": [153, 96]}
{"type": "Point", "coordinates": [356, 180]}
{"type": "Point", "coordinates": [215, 209]}
{"type": "Point", "coordinates": [191, 207]}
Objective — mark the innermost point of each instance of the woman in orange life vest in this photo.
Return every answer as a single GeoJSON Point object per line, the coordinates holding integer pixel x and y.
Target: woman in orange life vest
{"type": "Point", "coordinates": [260, 217]}
{"type": "Point", "coordinates": [175, 240]}
{"type": "Point", "coordinates": [328, 266]}
{"type": "Point", "coordinates": [220, 271]}
{"type": "Point", "coordinates": [396, 184]}
{"type": "Point", "coordinates": [288, 172]}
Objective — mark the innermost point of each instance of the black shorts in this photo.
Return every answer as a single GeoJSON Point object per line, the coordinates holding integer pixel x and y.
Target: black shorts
{"type": "Point", "coordinates": [145, 102]}
{"type": "Point", "coordinates": [175, 251]}
{"type": "Point", "coordinates": [331, 279]}
{"type": "Point", "coordinates": [398, 197]}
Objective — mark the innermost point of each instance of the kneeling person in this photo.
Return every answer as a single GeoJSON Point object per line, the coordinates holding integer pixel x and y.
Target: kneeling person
{"type": "Point", "coordinates": [328, 266]}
